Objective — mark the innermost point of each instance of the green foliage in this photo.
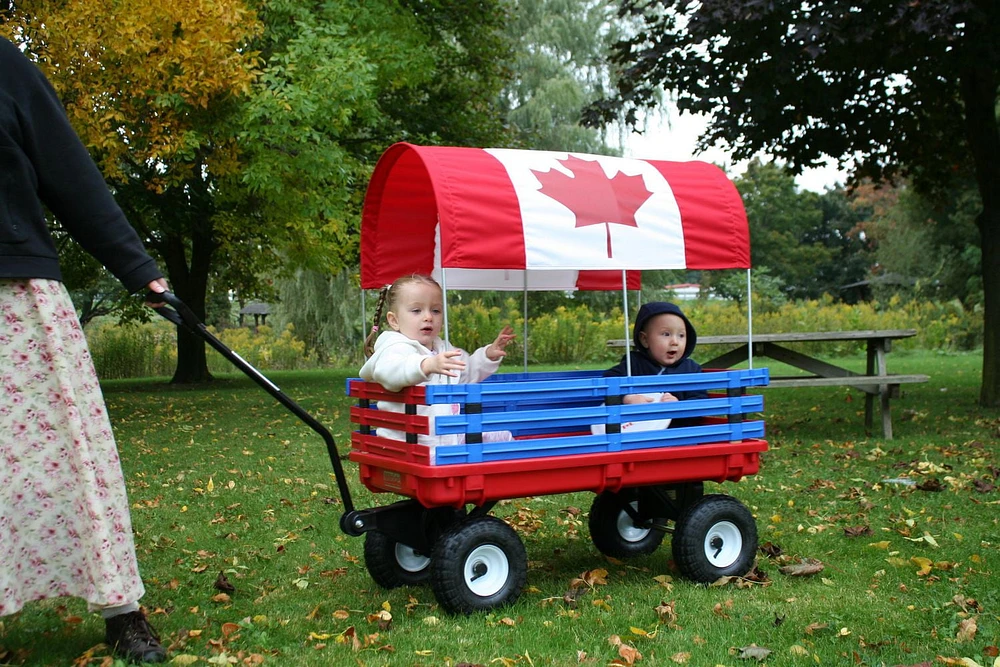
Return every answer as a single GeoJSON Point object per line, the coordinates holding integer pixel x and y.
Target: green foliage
{"type": "Point", "coordinates": [325, 311]}
{"type": "Point", "coordinates": [573, 333]}
{"type": "Point", "coordinates": [897, 88]}
{"type": "Point", "coordinates": [560, 67]}
{"type": "Point", "coordinates": [150, 350]}
{"type": "Point", "coordinates": [932, 248]}
{"type": "Point", "coordinates": [263, 347]}
{"type": "Point", "coordinates": [943, 326]}
{"type": "Point", "coordinates": [784, 224]}
{"type": "Point", "coordinates": [132, 350]}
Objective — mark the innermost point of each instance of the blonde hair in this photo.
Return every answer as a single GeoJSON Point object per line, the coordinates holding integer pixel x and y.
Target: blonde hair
{"type": "Point", "coordinates": [388, 299]}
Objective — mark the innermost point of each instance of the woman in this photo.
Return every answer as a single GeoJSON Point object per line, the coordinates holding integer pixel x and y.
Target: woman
{"type": "Point", "coordinates": [65, 527]}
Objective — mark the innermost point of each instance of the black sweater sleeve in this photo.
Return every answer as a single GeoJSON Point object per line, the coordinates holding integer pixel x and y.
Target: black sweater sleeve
{"type": "Point", "coordinates": [68, 181]}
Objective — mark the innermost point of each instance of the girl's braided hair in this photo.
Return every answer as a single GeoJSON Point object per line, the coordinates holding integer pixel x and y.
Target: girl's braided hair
{"type": "Point", "coordinates": [388, 298]}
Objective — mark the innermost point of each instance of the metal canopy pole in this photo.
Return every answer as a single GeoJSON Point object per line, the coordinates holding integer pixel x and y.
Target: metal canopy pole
{"type": "Point", "coordinates": [628, 342]}
{"type": "Point", "coordinates": [444, 294]}
{"type": "Point", "coordinates": [749, 322]}
{"type": "Point", "coordinates": [524, 342]}
{"type": "Point", "coordinates": [364, 319]}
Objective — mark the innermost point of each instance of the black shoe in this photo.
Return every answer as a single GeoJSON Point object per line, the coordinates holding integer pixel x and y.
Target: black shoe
{"type": "Point", "coordinates": [133, 639]}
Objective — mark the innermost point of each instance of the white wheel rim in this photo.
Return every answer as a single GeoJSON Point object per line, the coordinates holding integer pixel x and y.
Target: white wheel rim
{"type": "Point", "coordinates": [410, 560]}
{"type": "Point", "coordinates": [486, 570]}
{"type": "Point", "coordinates": [627, 528]}
{"type": "Point", "coordinates": [723, 544]}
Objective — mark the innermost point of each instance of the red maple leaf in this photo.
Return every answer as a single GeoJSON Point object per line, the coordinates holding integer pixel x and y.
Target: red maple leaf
{"type": "Point", "coordinates": [594, 198]}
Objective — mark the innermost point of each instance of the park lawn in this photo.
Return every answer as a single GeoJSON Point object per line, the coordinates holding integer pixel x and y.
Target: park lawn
{"type": "Point", "coordinates": [222, 480]}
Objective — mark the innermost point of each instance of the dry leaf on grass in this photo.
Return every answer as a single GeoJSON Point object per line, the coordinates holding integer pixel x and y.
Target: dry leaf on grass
{"type": "Point", "coordinates": [967, 629]}
{"type": "Point", "coordinates": [222, 584]}
{"type": "Point", "coordinates": [807, 567]}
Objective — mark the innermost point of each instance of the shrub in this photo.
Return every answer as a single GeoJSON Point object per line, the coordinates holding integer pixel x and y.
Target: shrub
{"type": "Point", "coordinates": [568, 334]}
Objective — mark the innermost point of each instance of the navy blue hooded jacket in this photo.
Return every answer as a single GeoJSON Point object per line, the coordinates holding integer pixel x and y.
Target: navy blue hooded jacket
{"type": "Point", "coordinates": [643, 364]}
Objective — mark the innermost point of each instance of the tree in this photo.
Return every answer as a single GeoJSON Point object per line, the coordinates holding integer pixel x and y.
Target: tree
{"type": "Point", "coordinates": [934, 247]}
{"type": "Point", "coordinates": [782, 222]}
{"type": "Point", "coordinates": [153, 89]}
{"type": "Point", "coordinates": [239, 139]}
{"type": "Point", "coordinates": [561, 66]}
{"type": "Point", "coordinates": [903, 88]}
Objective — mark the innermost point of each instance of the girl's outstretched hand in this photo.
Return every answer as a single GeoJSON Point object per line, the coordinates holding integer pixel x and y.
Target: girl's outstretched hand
{"type": "Point", "coordinates": [443, 364]}
{"type": "Point", "coordinates": [498, 348]}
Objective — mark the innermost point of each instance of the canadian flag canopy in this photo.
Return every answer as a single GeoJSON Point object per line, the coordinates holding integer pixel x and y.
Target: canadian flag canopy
{"type": "Point", "coordinates": [539, 220]}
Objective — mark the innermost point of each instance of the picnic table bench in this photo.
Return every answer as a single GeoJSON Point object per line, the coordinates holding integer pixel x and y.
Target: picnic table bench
{"type": "Point", "coordinates": [876, 381]}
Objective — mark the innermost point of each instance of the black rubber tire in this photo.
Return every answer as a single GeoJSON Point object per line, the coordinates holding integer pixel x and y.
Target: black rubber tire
{"type": "Point", "coordinates": [614, 533]}
{"type": "Point", "coordinates": [478, 565]}
{"type": "Point", "coordinates": [716, 537]}
{"type": "Point", "coordinates": [392, 564]}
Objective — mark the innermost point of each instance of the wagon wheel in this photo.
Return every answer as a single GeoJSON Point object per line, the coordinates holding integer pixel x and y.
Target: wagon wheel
{"type": "Point", "coordinates": [615, 533]}
{"type": "Point", "coordinates": [478, 564]}
{"type": "Point", "coordinates": [393, 564]}
{"type": "Point", "coordinates": [715, 537]}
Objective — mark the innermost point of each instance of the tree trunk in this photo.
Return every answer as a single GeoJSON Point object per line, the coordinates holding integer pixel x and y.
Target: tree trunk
{"type": "Point", "coordinates": [979, 86]}
{"type": "Point", "coordinates": [190, 284]}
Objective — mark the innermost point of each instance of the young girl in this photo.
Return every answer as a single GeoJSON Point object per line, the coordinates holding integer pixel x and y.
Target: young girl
{"type": "Point", "coordinates": [413, 353]}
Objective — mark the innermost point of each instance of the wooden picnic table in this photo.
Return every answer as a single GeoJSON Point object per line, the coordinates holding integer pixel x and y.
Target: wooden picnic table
{"type": "Point", "coordinates": [876, 381]}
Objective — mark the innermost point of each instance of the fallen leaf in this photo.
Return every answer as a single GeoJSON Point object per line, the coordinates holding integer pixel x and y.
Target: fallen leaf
{"type": "Point", "coordinates": [805, 568]}
{"type": "Point", "coordinates": [925, 565]}
{"type": "Point", "coordinates": [857, 531]}
{"type": "Point", "coordinates": [222, 584]}
{"type": "Point", "coordinates": [221, 597]}
{"type": "Point", "coordinates": [931, 484]}
{"type": "Point", "coordinates": [228, 629]}
{"type": "Point", "coordinates": [967, 629]}
{"type": "Point", "coordinates": [184, 659]}
{"type": "Point", "coordinates": [629, 654]}
{"type": "Point", "coordinates": [813, 627]}
{"type": "Point", "coordinates": [667, 614]}
{"type": "Point", "coordinates": [770, 550]}
{"type": "Point", "coordinates": [590, 578]}
{"type": "Point", "coordinates": [681, 658]}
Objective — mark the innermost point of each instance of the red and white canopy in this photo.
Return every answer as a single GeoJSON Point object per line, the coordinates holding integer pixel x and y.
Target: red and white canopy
{"type": "Point", "coordinates": [519, 219]}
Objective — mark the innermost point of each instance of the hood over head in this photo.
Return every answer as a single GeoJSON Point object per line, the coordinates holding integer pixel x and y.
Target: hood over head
{"type": "Point", "coordinates": [654, 308]}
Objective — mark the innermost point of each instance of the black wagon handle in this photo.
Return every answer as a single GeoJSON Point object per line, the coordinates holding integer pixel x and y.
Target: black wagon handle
{"type": "Point", "coordinates": [180, 314]}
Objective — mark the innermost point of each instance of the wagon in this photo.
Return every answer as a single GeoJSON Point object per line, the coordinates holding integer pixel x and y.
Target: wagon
{"type": "Point", "coordinates": [522, 221]}
{"type": "Point", "coordinates": [525, 221]}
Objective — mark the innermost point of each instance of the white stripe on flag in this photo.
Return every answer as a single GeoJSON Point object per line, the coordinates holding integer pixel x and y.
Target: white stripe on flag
{"type": "Point", "coordinates": [553, 237]}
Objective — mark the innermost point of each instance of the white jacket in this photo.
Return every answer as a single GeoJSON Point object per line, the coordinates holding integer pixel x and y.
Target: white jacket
{"type": "Point", "coordinates": [395, 364]}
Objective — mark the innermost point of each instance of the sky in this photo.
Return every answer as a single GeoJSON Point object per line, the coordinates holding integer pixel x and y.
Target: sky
{"type": "Point", "coordinates": [675, 141]}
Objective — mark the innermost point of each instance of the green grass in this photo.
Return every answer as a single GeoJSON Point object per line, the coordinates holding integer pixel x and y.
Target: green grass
{"type": "Point", "coordinates": [223, 479]}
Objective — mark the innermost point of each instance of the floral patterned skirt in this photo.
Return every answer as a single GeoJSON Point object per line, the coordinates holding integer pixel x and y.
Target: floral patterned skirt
{"type": "Point", "coordinates": [64, 518]}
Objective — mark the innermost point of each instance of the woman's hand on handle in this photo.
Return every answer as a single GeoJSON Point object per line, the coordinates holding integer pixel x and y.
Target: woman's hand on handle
{"type": "Point", "coordinates": [159, 286]}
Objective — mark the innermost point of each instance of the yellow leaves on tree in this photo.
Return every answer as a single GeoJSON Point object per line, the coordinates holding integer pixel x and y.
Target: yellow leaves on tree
{"type": "Point", "coordinates": [141, 80]}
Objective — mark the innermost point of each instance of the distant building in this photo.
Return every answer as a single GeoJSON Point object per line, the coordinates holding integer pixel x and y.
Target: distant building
{"type": "Point", "coordinates": [684, 291]}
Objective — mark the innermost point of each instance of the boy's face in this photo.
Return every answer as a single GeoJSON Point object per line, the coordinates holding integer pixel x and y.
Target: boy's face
{"type": "Point", "coordinates": [419, 313]}
{"type": "Point", "coordinates": [665, 336]}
